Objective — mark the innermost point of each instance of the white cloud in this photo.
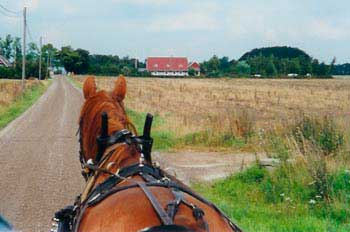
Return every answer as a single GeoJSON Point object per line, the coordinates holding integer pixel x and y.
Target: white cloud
{"type": "Point", "coordinates": [197, 20]}
{"type": "Point", "coordinates": [326, 30]}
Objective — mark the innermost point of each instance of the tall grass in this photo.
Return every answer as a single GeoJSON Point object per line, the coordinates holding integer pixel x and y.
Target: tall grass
{"type": "Point", "coordinates": [21, 102]}
{"type": "Point", "coordinates": [309, 191]}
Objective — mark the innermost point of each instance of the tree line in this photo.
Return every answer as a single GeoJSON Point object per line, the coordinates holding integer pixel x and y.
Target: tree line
{"type": "Point", "coordinates": [264, 62]}
{"type": "Point", "coordinates": [11, 49]}
{"type": "Point", "coordinates": [269, 62]}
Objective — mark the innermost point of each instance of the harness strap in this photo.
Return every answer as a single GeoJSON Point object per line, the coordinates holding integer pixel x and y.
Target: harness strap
{"type": "Point", "coordinates": [173, 205]}
{"type": "Point", "coordinates": [100, 197]}
{"type": "Point", "coordinates": [163, 216]}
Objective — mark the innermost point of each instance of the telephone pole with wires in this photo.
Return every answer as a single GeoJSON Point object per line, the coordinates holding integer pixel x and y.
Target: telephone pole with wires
{"type": "Point", "coordinates": [24, 47]}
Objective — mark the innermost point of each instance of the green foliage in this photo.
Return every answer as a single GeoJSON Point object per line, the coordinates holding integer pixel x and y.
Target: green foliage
{"type": "Point", "coordinates": [113, 66]}
{"type": "Point", "coordinates": [163, 140]}
{"type": "Point", "coordinates": [9, 113]}
{"type": "Point", "coordinates": [242, 68]}
{"type": "Point", "coordinates": [323, 133]}
{"type": "Point", "coordinates": [191, 72]}
{"type": "Point", "coordinates": [212, 139]}
{"type": "Point", "coordinates": [341, 69]}
{"type": "Point", "coordinates": [11, 49]}
{"type": "Point", "coordinates": [252, 175]}
{"type": "Point", "coordinates": [278, 52]}
{"type": "Point", "coordinates": [258, 200]}
{"type": "Point", "coordinates": [76, 61]}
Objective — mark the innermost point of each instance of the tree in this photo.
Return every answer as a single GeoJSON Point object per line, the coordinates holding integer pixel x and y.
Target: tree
{"type": "Point", "coordinates": [69, 59]}
{"type": "Point", "coordinates": [270, 68]}
{"type": "Point", "coordinates": [17, 50]}
{"type": "Point", "coordinates": [33, 52]}
{"type": "Point", "coordinates": [191, 72]}
{"type": "Point", "coordinates": [305, 65]}
{"type": "Point", "coordinates": [242, 68]}
{"type": "Point", "coordinates": [294, 66]}
{"type": "Point", "coordinates": [82, 66]}
{"type": "Point", "coordinates": [224, 65]}
{"type": "Point", "coordinates": [6, 48]}
{"type": "Point", "coordinates": [126, 71]}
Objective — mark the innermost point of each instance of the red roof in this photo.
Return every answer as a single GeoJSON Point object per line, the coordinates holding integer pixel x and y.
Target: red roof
{"type": "Point", "coordinates": [195, 66]}
{"type": "Point", "coordinates": [167, 64]}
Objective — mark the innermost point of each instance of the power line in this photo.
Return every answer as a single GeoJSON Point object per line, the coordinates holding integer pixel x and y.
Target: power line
{"type": "Point", "coordinates": [10, 11]}
{"type": "Point", "coordinates": [30, 34]}
{"type": "Point", "coordinates": [5, 13]}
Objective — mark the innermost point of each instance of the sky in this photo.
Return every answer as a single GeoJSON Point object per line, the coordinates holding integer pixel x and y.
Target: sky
{"type": "Point", "coordinates": [197, 29]}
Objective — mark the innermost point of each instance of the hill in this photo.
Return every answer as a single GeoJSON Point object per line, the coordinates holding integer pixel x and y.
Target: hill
{"type": "Point", "coordinates": [277, 52]}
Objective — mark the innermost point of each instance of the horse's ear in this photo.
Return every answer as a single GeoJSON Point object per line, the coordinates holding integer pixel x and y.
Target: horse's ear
{"type": "Point", "coordinates": [89, 88]}
{"type": "Point", "coordinates": [119, 91]}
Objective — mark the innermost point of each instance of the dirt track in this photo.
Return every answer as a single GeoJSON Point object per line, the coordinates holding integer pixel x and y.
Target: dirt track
{"type": "Point", "coordinates": [39, 167]}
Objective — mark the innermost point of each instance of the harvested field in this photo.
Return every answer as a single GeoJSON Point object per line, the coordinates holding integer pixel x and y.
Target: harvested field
{"type": "Point", "coordinates": [193, 104]}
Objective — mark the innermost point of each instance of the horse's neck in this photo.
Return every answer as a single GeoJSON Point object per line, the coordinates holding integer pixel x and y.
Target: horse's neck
{"type": "Point", "coordinates": [122, 157]}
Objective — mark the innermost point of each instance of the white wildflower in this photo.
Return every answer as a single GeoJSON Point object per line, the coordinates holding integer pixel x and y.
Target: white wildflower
{"type": "Point", "coordinates": [312, 202]}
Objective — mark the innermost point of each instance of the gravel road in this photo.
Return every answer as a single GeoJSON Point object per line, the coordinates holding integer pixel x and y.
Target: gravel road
{"type": "Point", "coordinates": [39, 165]}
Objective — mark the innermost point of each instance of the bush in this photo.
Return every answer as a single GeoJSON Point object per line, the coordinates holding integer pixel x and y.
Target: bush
{"type": "Point", "coordinates": [323, 133]}
{"type": "Point", "coordinates": [254, 174]}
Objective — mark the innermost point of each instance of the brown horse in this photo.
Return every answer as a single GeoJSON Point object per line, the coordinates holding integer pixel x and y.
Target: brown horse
{"type": "Point", "coordinates": [130, 207]}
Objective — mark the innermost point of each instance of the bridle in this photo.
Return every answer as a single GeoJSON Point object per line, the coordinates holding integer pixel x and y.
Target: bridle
{"type": "Point", "coordinates": [104, 134]}
{"type": "Point", "coordinates": [68, 219]}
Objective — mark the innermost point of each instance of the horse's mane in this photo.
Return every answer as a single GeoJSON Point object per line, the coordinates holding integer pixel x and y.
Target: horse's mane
{"type": "Point", "coordinates": [91, 114]}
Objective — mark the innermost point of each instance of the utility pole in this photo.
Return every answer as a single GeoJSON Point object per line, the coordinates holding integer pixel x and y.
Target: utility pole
{"type": "Point", "coordinates": [24, 47]}
{"type": "Point", "coordinates": [41, 45]}
{"type": "Point", "coordinates": [47, 65]}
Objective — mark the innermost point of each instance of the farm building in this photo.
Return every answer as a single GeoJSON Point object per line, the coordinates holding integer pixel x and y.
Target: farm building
{"type": "Point", "coordinates": [196, 67]}
{"type": "Point", "coordinates": [170, 66]}
{"type": "Point", "coordinates": [4, 62]}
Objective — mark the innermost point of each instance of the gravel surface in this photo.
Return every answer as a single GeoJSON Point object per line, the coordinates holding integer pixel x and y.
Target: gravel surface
{"type": "Point", "coordinates": [40, 170]}
{"type": "Point", "coordinates": [203, 166]}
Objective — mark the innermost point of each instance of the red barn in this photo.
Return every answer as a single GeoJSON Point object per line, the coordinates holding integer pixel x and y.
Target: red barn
{"type": "Point", "coordinates": [167, 66]}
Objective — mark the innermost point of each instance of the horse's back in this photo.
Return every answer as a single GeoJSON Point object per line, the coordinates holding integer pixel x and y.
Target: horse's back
{"type": "Point", "coordinates": [130, 210]}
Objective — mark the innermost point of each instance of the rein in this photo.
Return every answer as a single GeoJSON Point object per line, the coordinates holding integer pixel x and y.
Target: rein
{"type": "Point", "coordinates": [69, 218]}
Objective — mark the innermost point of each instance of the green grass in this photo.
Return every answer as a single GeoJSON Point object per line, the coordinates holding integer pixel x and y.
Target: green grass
{"type": "Point", "coordinates": [21, 104]}
{"type": "Point", "coordinates": [163, 140]}
{"type": "Point", "coordinates": [261, 201]}
{"type": "Point", "coordinates": [166, 140]}
{"type": "Point", "coordinates": [75, 83]}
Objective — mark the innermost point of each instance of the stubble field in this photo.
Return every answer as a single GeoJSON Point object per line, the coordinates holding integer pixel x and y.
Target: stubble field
{"type": "Point", "coordinates": [234, 107]}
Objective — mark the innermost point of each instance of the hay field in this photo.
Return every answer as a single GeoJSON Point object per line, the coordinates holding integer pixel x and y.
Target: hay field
{"type": "Point", "coordinates": [10, 90]}
{"type": "Point", "coordinates": [191, 105]}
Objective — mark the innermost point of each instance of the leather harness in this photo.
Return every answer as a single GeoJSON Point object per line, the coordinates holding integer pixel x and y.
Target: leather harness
{"type": "Point", "coordinates": [68, 219]}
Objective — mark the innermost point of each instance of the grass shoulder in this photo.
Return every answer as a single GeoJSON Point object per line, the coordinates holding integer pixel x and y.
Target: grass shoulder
{"type": "Point", "coordinates": [282, 200]}
{"type": "Point", "coordinates": [10, 112]}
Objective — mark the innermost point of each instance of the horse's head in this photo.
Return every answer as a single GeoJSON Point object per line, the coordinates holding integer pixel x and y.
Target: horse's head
{"type": "Point", "coordinates": [97, 102]}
